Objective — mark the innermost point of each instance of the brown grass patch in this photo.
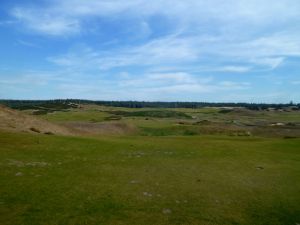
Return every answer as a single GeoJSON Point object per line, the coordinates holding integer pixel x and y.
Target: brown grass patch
{"type": "Point", "coordinates": [105, 128]}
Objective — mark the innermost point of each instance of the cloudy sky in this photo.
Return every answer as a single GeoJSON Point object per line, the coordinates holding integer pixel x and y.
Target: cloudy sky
{"type": "Point", "coordinates": [158, 50]}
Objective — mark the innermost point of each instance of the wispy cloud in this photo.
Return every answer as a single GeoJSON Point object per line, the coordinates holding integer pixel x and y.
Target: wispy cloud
{"type": "Point", "coordinates": [167, 50]}
{"type": "Point", "coordinates": [27, 43]}
{"type": "Point", "coordinates": [176, 50]}
{"type": "Point", "coordinates": [65, 13]}
{"type": "Point", "coordinates": [234, 69]}
{"type": "Point", "coordinates": [237, 34]}
{"type": "Point", "coordinates": [45, 23]}
{"type": "Point", "coordinates": [7, 22]}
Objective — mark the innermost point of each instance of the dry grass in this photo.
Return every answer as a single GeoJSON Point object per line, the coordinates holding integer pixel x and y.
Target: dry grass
{"type": "Point", "coordinates": [12, 120]}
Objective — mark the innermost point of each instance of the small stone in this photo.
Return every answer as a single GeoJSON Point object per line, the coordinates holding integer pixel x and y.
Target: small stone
{"type": "Point", "coordinates": [133, 182]}
{"type": "Point", "coordinates": [19, 174]}
{"type": "Point", "coordinates": [147, 194]}
{"type": "Point", "coordinates": [167, 211]}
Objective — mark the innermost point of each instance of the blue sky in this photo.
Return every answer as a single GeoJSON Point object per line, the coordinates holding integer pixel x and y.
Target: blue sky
{"type": "Point", "coordinates": [158, 50]}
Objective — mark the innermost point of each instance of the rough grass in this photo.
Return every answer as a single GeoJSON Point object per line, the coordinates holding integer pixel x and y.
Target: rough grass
{"type": "Point", "coordinates": [76, 115]}
{"type": "Point", "coordinates": [148, 180]}
{"type": "Point", "coordinates": [153, 113]}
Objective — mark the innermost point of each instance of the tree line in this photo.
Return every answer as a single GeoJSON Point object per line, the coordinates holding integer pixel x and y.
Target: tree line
{"type": "Point", "coordinates": [68, 103]}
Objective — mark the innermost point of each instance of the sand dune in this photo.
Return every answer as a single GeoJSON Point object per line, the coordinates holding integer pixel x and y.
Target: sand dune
{"type": "Point", "coordinates": [13, 120]}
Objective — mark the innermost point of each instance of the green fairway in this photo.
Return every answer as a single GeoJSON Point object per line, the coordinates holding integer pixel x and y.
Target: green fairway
{"type": "Point", "coordinates": [148, 180]}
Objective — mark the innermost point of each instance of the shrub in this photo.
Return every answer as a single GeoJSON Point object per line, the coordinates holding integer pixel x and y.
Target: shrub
{"type": "Point", "coordinates": [35, 130]}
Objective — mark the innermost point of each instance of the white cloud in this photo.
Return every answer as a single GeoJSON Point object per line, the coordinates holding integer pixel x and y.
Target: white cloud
{"type": "Point", "coordinates": [44, 23]}
{"type": "Point", "coordinates": [234, 69]}
{"type": "Point", "coordinates": [178, 82]}
{"type": "Point", "coordinates": [248, 32]}
{"type": "Point", "coordinates": [27, 78]}
{"type": "Point", "coordinates": [177, 77]}
{"type": "Point", "coordinates": [161, 79]}
{"type": "Point", "coordinates": [270, 62]}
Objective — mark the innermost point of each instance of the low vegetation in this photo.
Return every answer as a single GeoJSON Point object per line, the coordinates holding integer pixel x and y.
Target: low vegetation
{"type": "Point", "coordinates": [152, 113]}
{"type": "Point", "coordinates": [92, 164]}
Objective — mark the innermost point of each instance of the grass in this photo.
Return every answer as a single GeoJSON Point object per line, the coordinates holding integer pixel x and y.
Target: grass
{"type": "Point", "coordinates": [148, 180]}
